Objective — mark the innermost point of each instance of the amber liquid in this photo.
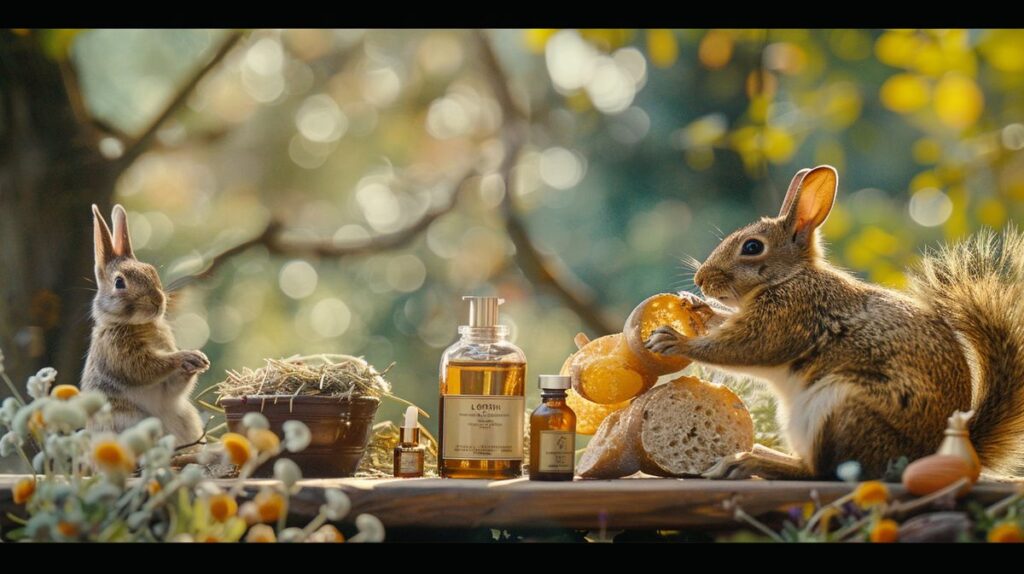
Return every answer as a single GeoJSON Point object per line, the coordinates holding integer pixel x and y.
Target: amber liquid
{"type": "Point", "coordinates": [472, 378]}
{"type": "Point", "coordinates": [552, 415]}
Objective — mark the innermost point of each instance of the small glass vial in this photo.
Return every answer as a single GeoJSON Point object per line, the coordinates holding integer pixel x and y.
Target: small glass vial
{"type": "Point", "coordinates": [483, 402]}
{"type": "Point", "coordinates": [553, 432]}
{"type": "Point", "coordinates": [409, 452]}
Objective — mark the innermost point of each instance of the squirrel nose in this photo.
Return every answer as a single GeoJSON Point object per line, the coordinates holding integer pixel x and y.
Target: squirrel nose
{"type": "Point", "coordinates": [698, 278]}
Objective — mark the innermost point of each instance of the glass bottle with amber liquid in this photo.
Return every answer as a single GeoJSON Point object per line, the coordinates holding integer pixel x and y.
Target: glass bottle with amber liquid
{"type": "Point", "coordinates": [553, 432]}
{"type": "Point", "coordinates": [482, 399]}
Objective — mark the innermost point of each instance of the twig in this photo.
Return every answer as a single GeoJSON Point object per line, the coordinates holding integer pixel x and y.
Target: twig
{"type": "Point", "coordinates": [545, 270]}
{"type": "Point", "coordinates": [141, 143]}
{"type": "Point", "coordinates": [271, 239]}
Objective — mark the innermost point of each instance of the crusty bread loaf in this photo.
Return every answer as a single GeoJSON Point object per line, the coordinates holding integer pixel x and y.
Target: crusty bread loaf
{"type": "Point", "coordinates": [690, 425]}
{"type": "Point", "coordinates": [612, 453]}
{"type": "Point", "coordinates": [680, 428]}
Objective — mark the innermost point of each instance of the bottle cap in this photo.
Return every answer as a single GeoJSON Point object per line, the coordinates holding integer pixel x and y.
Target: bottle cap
{"type": "Point", "coordinates": [554, 382]}
{"type": "Point", "coordinates": [483, 311]}
{"type": "Point", "coordinates": [411, 430]}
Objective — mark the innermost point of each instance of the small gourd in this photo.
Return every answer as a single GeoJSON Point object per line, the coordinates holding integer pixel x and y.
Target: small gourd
{"type": "Point", "coordinates": [935, 472]}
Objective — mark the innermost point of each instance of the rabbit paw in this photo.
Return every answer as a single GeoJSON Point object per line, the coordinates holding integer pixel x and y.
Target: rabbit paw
{"type": "Point", "coordinates": [665, 341]}
{"type": "Point", "coordinates": [193, 362]}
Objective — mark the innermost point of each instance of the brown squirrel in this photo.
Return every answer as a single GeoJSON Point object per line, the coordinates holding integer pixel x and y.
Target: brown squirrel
{"type": "Point", "coordinates": [863, 372]}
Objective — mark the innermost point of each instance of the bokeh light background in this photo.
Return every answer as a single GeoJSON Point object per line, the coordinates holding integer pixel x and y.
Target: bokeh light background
{"type": "Point", "coordinates": [644, 146]}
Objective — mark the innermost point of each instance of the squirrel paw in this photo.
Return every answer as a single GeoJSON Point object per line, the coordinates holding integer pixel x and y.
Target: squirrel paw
{"type": "Point", "coordinates": [733, 467]}
{"type": "Point", "coordinates": [664, 341]}
{"type": "Point", "coordinates": [692, 300]}
{"type": "Point", "coordinates": [192, 362]}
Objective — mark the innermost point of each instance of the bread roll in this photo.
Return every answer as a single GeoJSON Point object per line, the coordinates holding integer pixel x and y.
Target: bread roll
{"type": "Point", "coordinates": [655, 311]}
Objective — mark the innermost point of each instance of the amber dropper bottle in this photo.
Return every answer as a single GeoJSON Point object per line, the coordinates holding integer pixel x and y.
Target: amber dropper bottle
{"type": "Point", "coordinates": [409, 453]}
{"type": "Point", "coordinates": [553, 432]}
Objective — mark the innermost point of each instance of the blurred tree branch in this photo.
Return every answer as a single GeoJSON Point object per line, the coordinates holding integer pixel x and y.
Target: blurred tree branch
{"type": "Point", "coordinates": [272, 238]}
{"type": "Point", "coordinates": [546, 270]}
{"type": "Point", "coordinates": [141, 143]}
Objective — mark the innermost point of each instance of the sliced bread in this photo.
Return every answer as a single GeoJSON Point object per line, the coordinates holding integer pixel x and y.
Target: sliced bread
{"type": "Point", "coordinates": [680, 428]}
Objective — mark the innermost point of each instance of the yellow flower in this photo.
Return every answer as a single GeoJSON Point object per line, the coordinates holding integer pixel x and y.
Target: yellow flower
{"type": "Point", "coordinates": [870, 493]}
{"type": "Point", "coordinates": [222, 507]}
{"type": "Point", "coordinates": [1006, 531]}
{"type": "Point", "coordinates": [327, 533]}
{"type": "Point", "coordinates": [270, 505]}
{"type": "Point", "coordinates": [67, 529]}
{"type": "Point", "coordinates": [112, 456]}
{"type": "Point", "coordinates": [64, 392]}
{"type": "Point", "coordinates": [237, 447]}
{"type": "Point", "coordinates": [154, 487]}
{"type": "Point", "coordinates": [36, 423]}
{"type": "Point", "coordinates": [261, 533]}
{"type": "Point", "coordinates": [885, 530]}
{"type": "Point", "coordinates": [23, 490]}
{"type": "Point", "coordinates": [264, 440]}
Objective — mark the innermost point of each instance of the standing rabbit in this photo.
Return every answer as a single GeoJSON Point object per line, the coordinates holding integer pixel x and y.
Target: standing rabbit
{"type": "Point", "coordinates": [863, 372]}
{"type": "Point", "coordinates": [132, 358]}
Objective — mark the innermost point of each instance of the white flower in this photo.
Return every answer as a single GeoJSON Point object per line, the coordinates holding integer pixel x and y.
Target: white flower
{"type": "Point", "coordinates": [39, 383]}
{"type": "Point", "coordinates": [292, 534]}
{"type": "Point", "coordinates": [337, 505]}
{"type": "Point", "coordinates": [136, 440]}
{"type": "Point", "coordinates": [64, 414]}
{"type": "Point", "coordinates": [849, 471]}
{"type": "Point", "coordinates": [156, 457]}
{"type": "Point", "coordinates": [169, 442]}
{"type": "Point", "coordinates": [90, 401]}
{"type": "Point", "coordinates": [255, 420]}
{"type": "Point", "coordinates": [20, 423]}
{"type": "Point", "coordinates": [39, 462]}
{"type": "Point", "coordinates": [191, 475]}
{"type": "Point", "coordinates": [102, 491]}
{"type": "Point", "coordinates": [9, 443]}
{"type": "Point", "coordinates": [152, 426]}
{"type": "Point", "coordinates": [210, 454]}
{"type": "Point", "coordinates": [371, 529]}
{"type": "Point", "coordinates": [287, 472]}
{"type": "Point", "coordinates": [8, 409]}
{"type": "Point", "coordinates": [296, 436]}
{"type": "Point", "coordinates": [208, 488]}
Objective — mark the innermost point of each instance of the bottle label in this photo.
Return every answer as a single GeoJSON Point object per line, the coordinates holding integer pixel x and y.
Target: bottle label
{"type": "Point", "coordinates": [557, 451]}
{"type": "Point", "coordinates": [483, 427]}
{"type": "Point", "coordinates": [410, 463]}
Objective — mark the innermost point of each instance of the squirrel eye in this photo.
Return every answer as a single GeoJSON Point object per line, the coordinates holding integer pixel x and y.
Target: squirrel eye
{"type": "Point", "coordinates": [119, 283]}
{"type": "Point", "coordinates": [752, 247]}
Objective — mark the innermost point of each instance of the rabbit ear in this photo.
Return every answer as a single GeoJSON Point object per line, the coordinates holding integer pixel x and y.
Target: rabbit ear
{"type": "Point", "coordinates": [103, 247]}
{"type": "Point", "coordinates": [122, 241]}
{"type": "Point", "coordinates": [794, 185]}
{"type": "Point", "coordinates": [814, 198]}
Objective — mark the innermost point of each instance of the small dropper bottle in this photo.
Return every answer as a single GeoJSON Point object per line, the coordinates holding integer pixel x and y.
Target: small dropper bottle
{"type": "Point", "coordinates": [409, 453]}
{"type": "Point", "coordinates": [552, 432]}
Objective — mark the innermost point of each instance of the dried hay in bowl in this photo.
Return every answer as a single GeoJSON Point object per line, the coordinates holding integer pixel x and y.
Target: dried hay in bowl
{"type": "Point", "coordinates": [323, 375]}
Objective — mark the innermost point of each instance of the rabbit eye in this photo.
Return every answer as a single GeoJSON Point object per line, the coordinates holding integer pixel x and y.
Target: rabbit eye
{"type": "Point", "coordinates": [119, 283]}
{"type": "Point", "coordinates": [752, 247]}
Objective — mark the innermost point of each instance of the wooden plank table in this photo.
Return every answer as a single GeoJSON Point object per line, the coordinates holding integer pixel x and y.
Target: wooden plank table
{"type": "Point", "coordinates": [634, 503]}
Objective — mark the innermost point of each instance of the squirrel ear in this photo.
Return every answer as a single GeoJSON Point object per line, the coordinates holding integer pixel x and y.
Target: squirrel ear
{"type": "Point", "coordinates": [122, 241]}
{"type": "Point", "coordinates": [814, 198]}
{"type": "Point", "coordinates": [103, 247]}
{"type": "Point", "coordinates": [794, 185]}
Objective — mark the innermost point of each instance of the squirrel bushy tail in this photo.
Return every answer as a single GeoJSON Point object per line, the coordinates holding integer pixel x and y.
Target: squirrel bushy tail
{"type": "Point", "coordinates": [978, 286]}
